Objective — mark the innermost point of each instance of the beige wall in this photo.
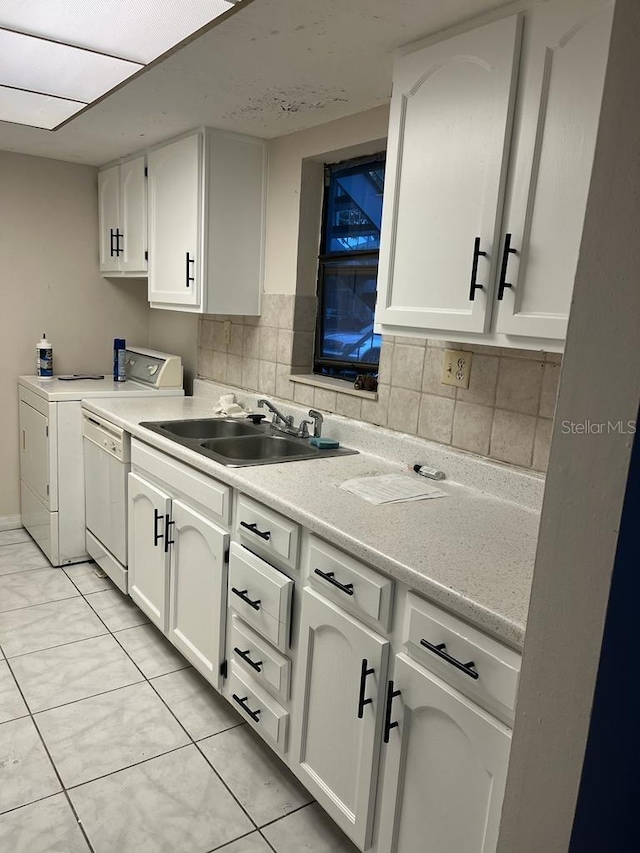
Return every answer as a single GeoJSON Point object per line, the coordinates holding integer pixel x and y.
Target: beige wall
{"type": "Point", "coordinates": [50, 282]}
{"type": "Point", "coordinates": [177, 333]}
{"type": "Point", "coordinates": [286, 155]}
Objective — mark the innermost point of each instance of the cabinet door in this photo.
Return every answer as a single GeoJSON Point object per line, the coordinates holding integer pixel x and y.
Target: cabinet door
{"type": "Point", "coordinates": [337, 715]}
{"type": "Point", "coordinates": [133, 216]}
{"type": "Point", "coordinates": [149, 510]}
{"type": "Point", "coordinates": [446, 161]}
{"type": "Point", "coordinates": [445, 768]}
{"type": "Point", "coordinates": [565, 48]}
{"type": "Point", "coordinates": [108, 218]}
{"type": "Point", "coordinates": [34, 452]}
{"type": "Point", "coordinates": [175, 222]}
{"type": "Point", "coordinates": [198, 590]}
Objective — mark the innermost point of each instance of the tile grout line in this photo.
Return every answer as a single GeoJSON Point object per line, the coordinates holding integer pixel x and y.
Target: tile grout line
{"type": "Point", "coordinates": [38, 603]}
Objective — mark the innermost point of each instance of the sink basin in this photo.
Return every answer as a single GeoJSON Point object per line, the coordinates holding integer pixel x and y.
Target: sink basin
{"type": "Point", "coordinates": [257, 448]}
{"type": "Point", "coordinates": [206, 428]}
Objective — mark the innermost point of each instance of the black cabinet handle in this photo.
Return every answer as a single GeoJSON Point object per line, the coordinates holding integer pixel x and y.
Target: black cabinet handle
{"type": "Point", "coordinates": [364, 673]}
{"type": "Point", "coordinates": [439, 650]}
{"type": "Point", "coordinates": [255, 715]}
{"type": "Point", "coordinates": [119, 236]}
{"type": "Point", "coordinates": [263, 534]}
{"type": "Point", "coordinates": [330, 578]}
{"type": "Point", "coordinates": [167, 534]}
{"type": "Point", "coordinates": [156, 536]}
{"type": "Point", "coordinates": [189, 277]}
{"type": "Point", "coordinates": [242, 593]}
{"type": "Point", "coordinates": [505, 263]}
{"type": "Point", "coordinates": [474, 269]}
{"type": "Point", "coordinates": [388, 725]}
{"type": "Point", "coordinates": [257, 665]}
{"type": "Point", "coordinates": [111, 236]}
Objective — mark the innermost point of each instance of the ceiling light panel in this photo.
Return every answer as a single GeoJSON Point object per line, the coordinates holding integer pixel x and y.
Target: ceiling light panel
{"type": "Point", "coordinates": [138, 30]}
{"type": "Point", "coordinates": [55, 69]}
{"type": "Point", "coordinates": [35, 110]}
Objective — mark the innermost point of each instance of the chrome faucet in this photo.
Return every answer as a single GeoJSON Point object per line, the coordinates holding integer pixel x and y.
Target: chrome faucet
{"type": "Point", "coordinates": [284, 423]}
{"type": "Point", "coordinates": [286, 420]}
{"type": "Point", "coordinates": [317, 422]}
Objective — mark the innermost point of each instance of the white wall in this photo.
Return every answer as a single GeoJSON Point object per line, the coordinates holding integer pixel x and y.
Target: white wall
{"type": "Point", "coordinates": [286, 155]}
{"type": "Point", "coordinates": [49, 281]}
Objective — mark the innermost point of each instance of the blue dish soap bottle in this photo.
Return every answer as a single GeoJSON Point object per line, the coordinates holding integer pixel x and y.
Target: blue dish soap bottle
{"type": "Point", "coordinates": [119, 372]}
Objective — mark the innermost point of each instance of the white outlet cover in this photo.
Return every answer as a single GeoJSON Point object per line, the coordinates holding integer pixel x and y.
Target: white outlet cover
{"type": "Point", "coordinates": [456, 368]}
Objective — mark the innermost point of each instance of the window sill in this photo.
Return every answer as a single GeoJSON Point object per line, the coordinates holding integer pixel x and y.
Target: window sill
{"type": "Point", "coordinates": [331, 384]}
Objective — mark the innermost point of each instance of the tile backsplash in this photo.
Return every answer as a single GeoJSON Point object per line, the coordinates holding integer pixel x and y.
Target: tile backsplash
{"type": "Point", "coordinates": [506, 413]}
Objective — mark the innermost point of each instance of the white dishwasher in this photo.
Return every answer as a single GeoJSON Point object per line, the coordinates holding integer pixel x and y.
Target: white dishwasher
{"type": "Point", "coordinates": [107, 460]}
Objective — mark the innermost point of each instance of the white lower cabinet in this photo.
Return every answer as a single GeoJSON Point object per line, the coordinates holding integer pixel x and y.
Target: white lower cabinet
{"type": "Point", "coordinates": [444, 771]}
{"type": "Point", "coordinates": [335, 741]}
{"type": "Point", "coordinates": [198, 580]}
{"type": "Point", "coordinates": [149, 509]}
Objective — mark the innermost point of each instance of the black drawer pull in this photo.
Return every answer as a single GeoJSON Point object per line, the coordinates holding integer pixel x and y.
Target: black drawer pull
{"type": "Point", "coordinates": [257, 665]}
{"type": "Point", "coordinates": [474, 269]}
{"type": "Point", "coordinates": [189, 277]}
{"type": "Point", "coordinates": [242, 593]}
{"type": "Point", "coordinates": [156, 536]}
{"type": "Point", "coordinates": [119, 235]}
{"type": "Point", "coordinates": [253, 527]}
{"type": "Point", "coordinates": [112, 251]}
{"type": "Point", "coordinates": [439, 650]}
{"type": "Point", "coordinates": [503, 269]}
{"type": "Point", "coordinates": [167, 534]}
{"type": "Point", "coordinates": [330, 578]}
{"type": "Point", "coordinates": [364, 673]}
{"type": "Point", "coordinates": [388, 725]}
{"type": "Point", "coordinates": [255, 715]}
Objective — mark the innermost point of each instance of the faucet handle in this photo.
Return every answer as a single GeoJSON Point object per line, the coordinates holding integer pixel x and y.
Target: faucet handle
{"type": "Point", "coordinates": [303, 431]}
{"type": "Point", "coordinates": [317, 422]}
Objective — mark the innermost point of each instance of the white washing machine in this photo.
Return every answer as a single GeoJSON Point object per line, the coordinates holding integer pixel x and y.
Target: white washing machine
{"type": "Point", "coordinates": [51, 446]}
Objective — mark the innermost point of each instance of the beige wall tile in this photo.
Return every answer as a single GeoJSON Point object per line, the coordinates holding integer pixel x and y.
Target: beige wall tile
{"type": "Point", "coordinates": [219, 366]}
{"type": "Point", "coordinates": [550, 377]}
{"type": "Point", "coordinates": [287, 311]}
{"type": "Point", "coordinates": [386, 359]}
{"type": "Point", "coordinates": [285, 346]}
{"type": "Point", "coordinates": [270, 310]}
{"type": "Point", "coordinates": [411, 342]}
{"type": "Point", "coordinates": [267, 377]}
{"type": "Point", "coordinates": [303, 394]}
{"type": "Point", "coordinates": [207, 333]}
{"type": "Point", "coordinates": [542, 444]}
{"type": "Point", "coordinates": [406, 369]}
{"type": "Point", "coordinates": [512, 438]}
{"type": "Point", "coordinates": [554, 357]}
{"type": "Point", "coordinates": [218, 337]}
{"type": "Point", "coordinates": [251, 341]}
{"type": "Point", "coordinates": [436, 418]}
{"type": "Point", "coordinates": [349, 406]}
{"type": "Point", "coordinates": [252, 321]}
{"type": "Point", "coordinates": [432, 373]}
{"type": "Point", "coordinates": [250, 373]}
{"type": "Point", "coordinates": [284, 387]}
{"type": "Point", "coordinates": [302, 353]}
{"type": "Point", "coordinates": [324, 399]}
{"type": "Point", "coordinates": [234, 369]}
{"type": "Point", "coordinates": [482, 381]}
{"type": "Point", "coordinates": [235, 343]}
{"type": "Point", "coordinates": [268, 346]}
{"type": "Point", "coordinates": [472, 427]}
{"type": "Point", "coordinates": [519, 384]}
{"type": "Point", "coordinates": [305, 314]}
{"type": "Point", "coordinates": [376, 412]}
{"type": "Point", "coordinates": [403, 409]}
{"type": "Point", "coordinates": [514, 352]}
{"type": "Point", "coordinates": [205, 363]}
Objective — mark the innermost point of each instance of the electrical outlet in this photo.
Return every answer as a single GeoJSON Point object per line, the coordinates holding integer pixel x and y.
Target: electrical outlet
{"type": "Point", "coordinates": [456, 368]}
{"type": "Point", "coordinates": [226, 332]}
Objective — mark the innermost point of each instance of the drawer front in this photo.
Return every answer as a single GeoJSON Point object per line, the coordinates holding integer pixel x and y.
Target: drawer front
{"type": "Point", "coordinates": [268, 532]}
{"type": "Point", "coordinates": [259, 660]}
{"type": "Point", "coordinates": [497, 667]}
{"type": "Point", "coordinates": [260, 594]}
{"type": "Point", "coordinates": [259, 709]}
{"type": "Point", "coordinates": [212, 496]}
{"type": "Point", "coordinates": [356, 588]}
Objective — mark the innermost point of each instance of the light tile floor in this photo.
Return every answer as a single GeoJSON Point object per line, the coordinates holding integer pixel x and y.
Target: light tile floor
{"type": "Point", "coordinates": [110, 742]}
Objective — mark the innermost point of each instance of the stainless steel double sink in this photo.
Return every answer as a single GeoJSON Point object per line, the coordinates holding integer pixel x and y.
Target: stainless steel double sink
{"type": "Point", "coordinates": [237, 443]}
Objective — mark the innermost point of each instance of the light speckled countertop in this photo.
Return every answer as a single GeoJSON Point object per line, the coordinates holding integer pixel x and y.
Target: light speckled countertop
{"type": "Point", "coordinates": [473, 553]}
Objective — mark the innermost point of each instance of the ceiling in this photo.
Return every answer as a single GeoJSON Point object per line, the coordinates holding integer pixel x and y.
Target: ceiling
{"type": "Point", "coordinates": [268, 68]}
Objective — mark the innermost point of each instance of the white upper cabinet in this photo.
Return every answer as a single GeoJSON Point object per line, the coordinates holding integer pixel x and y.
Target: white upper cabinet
{"type": "Point", "coordinates": [481, 162]}
{"type": "Point", "coordinates": [446, 162]}
{"type": "Point", "coordinates": [564, 56]}
{"type": "Point", "coordinates": [207, 195]}
{"type": "Point", "coordinates": [122, 208]}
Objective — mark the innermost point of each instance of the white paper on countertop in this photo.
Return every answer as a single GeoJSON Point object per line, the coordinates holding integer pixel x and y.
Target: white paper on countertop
{"type": "Point", "coordinates": [391, 488]}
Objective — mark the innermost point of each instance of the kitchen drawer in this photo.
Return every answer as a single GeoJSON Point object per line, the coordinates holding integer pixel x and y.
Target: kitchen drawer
{"type": "Point", "coordinates": [356, 588]}
{"type": "Point", "coordinates": [259, 659]}
{"type": "Point", "coordinates": [212, 496]}
{"type": "Point", "coordinates": [496, 666]}
{"type": "Point", "coordinates": [259, 709]}
{"type": "Point", "coordinates": [260, 594]}
{"type": "Point", "coordinates": [268, 532]}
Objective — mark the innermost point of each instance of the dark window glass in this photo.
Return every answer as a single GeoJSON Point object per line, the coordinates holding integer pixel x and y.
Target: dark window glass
{"type": "Point", "coordinates": [345, 341]}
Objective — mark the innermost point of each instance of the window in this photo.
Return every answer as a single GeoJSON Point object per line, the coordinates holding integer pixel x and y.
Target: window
{"type": "Point", "coordinates": [346, 344]}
